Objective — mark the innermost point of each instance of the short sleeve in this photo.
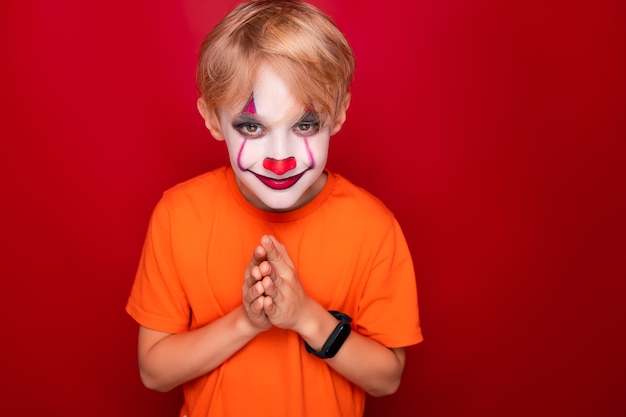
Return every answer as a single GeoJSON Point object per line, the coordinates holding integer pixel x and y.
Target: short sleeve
{"type": "Point", "coordinates": [157, 299]}
{"type": "Point", "coordinates": [388, 310]}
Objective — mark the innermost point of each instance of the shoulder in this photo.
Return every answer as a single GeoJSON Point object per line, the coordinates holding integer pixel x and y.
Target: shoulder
{"type": "Point", "coordinates": [187, 212]}
{"type": "Point", "coordinates": [211, 182]}
{"type": "Point", "coordinates": [347, 193]}
{"type": "Point", "coordinates": [200, 191]}
{"type": "Point", "coordinates": [189, 199]}
{"type": "Point", "coordinates": [357, 205]}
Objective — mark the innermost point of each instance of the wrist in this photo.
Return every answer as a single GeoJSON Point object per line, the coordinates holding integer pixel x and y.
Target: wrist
{"type": "Point", "coordinates": [244, 325]}
{"type": "Point", "coordinates": [314, 322]}
{"type": "Point", "coordinates": [336, 339]}
{"type": "Point", "coordinates": [318, 327]}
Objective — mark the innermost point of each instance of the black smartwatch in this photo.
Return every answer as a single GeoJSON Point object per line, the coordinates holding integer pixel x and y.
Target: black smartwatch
{"type": "Point", "coordinates": [336, 338]}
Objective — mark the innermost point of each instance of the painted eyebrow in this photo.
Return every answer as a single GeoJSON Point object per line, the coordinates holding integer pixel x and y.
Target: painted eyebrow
{"type": "Point", "coordinates": [309, 117]}
{"type": "Point", "coordinates": [245, 118]}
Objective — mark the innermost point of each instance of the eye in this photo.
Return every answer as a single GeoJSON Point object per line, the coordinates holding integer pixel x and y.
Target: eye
{"type": "Point", "coordinates": [307, 128]}
{"type": "Point", "coordinates": [251, 130]}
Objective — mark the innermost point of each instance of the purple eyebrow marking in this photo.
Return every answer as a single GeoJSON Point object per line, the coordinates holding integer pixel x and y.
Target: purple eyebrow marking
{"type": "Point", "coordinates": [250, 108]}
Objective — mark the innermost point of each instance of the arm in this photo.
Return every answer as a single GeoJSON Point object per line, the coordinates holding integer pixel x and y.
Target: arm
{"type": "Point", "coordinates": [365, 362]}
{"type": "Point", "coordinates": [167, 360]}
{"type": "Point", "coordinates": [387, 365]}
{"type": "Point", "coordinates": [372, 366]}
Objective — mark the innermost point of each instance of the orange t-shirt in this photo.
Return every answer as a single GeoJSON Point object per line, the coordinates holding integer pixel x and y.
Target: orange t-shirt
{"type": "Point", "coordinates": [350, 255]}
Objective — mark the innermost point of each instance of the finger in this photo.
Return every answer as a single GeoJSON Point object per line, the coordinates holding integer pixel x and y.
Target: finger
{"type": "Point", "coordinates": [252, 274]}
{"type": "Point", "coordinates": [256, 274]}
{"type": "Point", "coordinates": [255, 311]}
{"type": "Point", "coordinates": [276, 255]}
{"type": "Point", "coordinates": [258, 255]}
{"type": "Point", "coordinates": [269, 288]}
{"type": "Point", "coordinates": [269, 307]}
{"type": "Point", "coordinates": [265, 269]}
{"type": "Point", "coordinates": [250, 294]}
{"type": "Point", "coordinates": [257, 306]}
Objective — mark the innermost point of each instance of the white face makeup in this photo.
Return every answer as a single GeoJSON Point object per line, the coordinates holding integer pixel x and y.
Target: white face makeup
{"type": "Point", "coordinates": [277, 147]}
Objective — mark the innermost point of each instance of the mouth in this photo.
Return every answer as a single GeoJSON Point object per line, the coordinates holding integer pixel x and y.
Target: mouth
{"type": "Point", "coordinates": [279, 184]}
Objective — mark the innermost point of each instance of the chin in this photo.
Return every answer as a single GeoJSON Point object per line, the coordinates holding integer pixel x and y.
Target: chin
{"type": "Point", "coordinates": [281, 204]}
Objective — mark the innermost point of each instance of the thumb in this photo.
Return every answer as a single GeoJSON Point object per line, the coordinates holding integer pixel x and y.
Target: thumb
{"type": "Point", "coordinates": [277, 254]}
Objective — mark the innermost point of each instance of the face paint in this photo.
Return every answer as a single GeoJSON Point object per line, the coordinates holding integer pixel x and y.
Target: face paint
{"type": "Point", "coordinates": [276, 145]}
{"type": "Point", "coordinates": [279, 167]}
{"type": "Point", "coordinates": [250, 108]}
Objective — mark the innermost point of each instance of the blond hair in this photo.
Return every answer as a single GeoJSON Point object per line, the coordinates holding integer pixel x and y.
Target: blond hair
{"type": "Point", "coordinates": [298, 40]}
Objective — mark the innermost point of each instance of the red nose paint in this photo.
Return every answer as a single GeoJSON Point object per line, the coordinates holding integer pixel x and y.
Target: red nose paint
{"type": "Point", "coordinates": [279, 166]}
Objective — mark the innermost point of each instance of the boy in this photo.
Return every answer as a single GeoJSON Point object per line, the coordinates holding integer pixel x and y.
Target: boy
{"type": "Point", "coordinates": [273, 287]}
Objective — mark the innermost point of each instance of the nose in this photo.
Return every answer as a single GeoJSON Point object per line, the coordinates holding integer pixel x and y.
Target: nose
{"type": "Point", "coordinates": [279, 166]}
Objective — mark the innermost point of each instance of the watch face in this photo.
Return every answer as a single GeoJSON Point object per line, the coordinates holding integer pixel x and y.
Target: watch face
{"type": "Point", "coordinates": [342, 335]}
{"type": "Point", "coordinates": [336, 339]}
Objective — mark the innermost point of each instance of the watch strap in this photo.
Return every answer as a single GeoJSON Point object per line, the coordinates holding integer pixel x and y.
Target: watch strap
{"type": "Point", "coordinates": [336, 338]}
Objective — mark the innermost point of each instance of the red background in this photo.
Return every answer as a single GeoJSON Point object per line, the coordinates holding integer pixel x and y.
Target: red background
{"type": "Point", "coordinates": [494, 130]}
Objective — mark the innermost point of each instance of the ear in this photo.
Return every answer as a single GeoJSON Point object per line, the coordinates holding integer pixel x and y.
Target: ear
{"type": "Point", "coordinates": [341, 116]}
{"type": "Point", "coordinates": [210, 119]}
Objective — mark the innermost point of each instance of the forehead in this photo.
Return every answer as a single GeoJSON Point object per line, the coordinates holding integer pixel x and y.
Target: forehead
{"type": "Point", "coordinates": [272, 102]}
{"type": "Point", "coordinates": [271, 97]}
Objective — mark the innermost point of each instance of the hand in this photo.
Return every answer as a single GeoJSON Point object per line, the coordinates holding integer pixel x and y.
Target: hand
{"type": "Point", "coordinates": [285, 300]}
{"type": "Point", "coordinates": [253, 292]}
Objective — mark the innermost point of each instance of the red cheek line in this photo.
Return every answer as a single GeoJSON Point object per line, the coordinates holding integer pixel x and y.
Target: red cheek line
{"type": "Point", "coordinates": [250, 108]}
{"type": "Point", "coordinates": [308, 151]}
{"type": "Point", "coordinates": [239, 165]}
